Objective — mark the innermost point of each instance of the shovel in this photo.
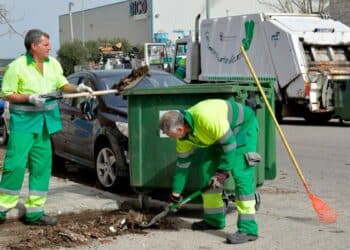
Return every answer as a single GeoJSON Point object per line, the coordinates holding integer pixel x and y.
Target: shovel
{"type": "Point", "coordinates": [173, 207]}
{"type": "Point", "coordinates": [127, 82]}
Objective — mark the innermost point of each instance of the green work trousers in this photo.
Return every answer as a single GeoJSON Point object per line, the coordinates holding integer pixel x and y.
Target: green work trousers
{"type": "Point", "coordinates": [243, 175]}
{"type": "Point", "coordinates": [34, 151]}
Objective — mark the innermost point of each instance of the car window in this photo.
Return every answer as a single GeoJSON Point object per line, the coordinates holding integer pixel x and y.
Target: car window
{"type": "Point", "coordinates": [160, 80]}
{"type": "Point", "coordinates": [117, 100]}
{"type": "Point", "coordinates": [154, 80]}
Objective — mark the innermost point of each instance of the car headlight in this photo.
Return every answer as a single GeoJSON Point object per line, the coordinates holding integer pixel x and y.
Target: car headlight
{"type": "Point", "coordinates": [123, 128]}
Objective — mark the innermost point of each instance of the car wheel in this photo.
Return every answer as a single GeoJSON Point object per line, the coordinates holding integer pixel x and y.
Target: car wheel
{"type": "Point", "coordinates": [106, 167]}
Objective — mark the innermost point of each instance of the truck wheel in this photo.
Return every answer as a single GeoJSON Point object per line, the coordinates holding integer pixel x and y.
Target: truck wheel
{"type": "Point", "coordinates": [278, 111]}
{"type": "Point", "coordinates": [317, 118]}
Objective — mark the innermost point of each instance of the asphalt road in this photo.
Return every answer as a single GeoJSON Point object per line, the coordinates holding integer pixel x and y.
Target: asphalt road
{"type": "Point", "coordinates": [286, 217]}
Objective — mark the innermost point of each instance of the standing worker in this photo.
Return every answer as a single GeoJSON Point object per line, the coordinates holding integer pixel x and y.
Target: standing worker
{"type": "Point", "coordinates": [32, 121]}
{"type": "Point", "coordinates": [234, 128]}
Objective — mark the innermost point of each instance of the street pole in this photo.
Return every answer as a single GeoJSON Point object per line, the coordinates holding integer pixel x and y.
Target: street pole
{"type": "Point", "coordinates": [207, 7]}
{"type": "Point", "coordinates": [70, 4]}
{"type": "Point", "coordinates": [83, 22]}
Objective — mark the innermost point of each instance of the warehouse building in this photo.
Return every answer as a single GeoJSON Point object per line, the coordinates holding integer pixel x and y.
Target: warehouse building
{"type": "Point", "coordinates": [142, 21]}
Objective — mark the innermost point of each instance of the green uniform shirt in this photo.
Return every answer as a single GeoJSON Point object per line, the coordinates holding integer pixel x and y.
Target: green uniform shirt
{"type": "Point", "coordinates": [23, 77]}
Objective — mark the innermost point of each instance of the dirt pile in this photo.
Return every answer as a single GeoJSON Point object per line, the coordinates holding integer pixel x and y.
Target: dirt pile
{"type": "Point", "coordinates": [79, 229]}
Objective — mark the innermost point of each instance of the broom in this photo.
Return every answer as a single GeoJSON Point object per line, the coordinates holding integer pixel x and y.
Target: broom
{"type": "Point", "coordinates": [325, 213]}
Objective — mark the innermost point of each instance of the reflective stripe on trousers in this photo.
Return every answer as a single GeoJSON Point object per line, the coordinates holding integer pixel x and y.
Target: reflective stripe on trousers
{"type": "Point", "coordinates": [214, 208]}
{"type": "Point", "coordinates": [34, 151]}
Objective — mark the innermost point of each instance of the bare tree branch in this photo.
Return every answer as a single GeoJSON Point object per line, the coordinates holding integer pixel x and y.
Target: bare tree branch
{"type": "Point", "coordinates": [301, 6]}
{"type": "Point", "coordinates": [5, 20]}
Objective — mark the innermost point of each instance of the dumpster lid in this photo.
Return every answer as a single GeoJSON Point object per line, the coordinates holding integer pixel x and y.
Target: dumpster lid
{"type": "Point", "coordinates": [229, 87]}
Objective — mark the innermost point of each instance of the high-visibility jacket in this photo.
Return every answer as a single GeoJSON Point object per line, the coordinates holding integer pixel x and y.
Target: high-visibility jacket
{"type": "Point", "coordinates": [23, 77]}
{"type": "Point", "coordinates": [213, 121]}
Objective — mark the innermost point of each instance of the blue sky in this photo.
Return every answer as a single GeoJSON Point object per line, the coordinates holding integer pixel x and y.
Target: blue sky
{"type": "Point", "coordinates": [41, 14]}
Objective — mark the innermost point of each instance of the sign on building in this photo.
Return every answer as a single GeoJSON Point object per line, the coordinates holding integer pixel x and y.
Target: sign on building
{"type": "Point", "coordinates": [138, 9]}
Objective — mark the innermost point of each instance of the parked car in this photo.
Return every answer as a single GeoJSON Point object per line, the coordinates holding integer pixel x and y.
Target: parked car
{"type": "Point", "coordinates": [95, 131]}
{"type": "Point", "coordinates": [4, 128]}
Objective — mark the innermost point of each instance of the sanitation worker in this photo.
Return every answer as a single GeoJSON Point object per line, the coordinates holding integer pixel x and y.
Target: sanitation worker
{"type": "Point", "coordinates": [234, 128]}
{"type": "Point", "coordinates": [32, 120]}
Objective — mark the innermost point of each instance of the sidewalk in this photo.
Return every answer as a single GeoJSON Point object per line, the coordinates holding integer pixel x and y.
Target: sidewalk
{"type": "Point", "coordinates": [66, 196]}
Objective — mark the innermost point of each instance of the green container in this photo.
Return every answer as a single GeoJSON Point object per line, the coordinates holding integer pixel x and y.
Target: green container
{"type": "Point", "coordinates": [153, 155]}
{"type": "Point", "coordinates": [342, 99]}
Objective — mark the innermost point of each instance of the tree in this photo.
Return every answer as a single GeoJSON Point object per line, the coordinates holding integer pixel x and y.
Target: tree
{"type": "Point", "coordinates": [5, 20]}
{"type": "Point", "coordinates": [300, 6]}
{"type": "Point", "coordinates": [93, 51]}
{"type": "Point", "coordinates": [71, 54]}
{"type": "Point", "coordinates": [75, 53]}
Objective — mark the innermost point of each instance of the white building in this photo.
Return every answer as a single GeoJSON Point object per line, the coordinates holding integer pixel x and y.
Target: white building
{"type": "Point", "coordinates": [142, 21]}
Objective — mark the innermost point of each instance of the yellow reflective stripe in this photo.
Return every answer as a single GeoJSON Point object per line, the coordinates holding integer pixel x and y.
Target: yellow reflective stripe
{"type": "Point", "coordinates": [35, 201]}
{"type": "Point", "coordinates": [245, 207]}
{"type": "Point", "coordinates": [213, 200]}
{"type": "Point", "coordinates": [8, 201]}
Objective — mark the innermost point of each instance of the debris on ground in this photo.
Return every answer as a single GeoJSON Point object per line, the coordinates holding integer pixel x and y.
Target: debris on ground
{"type": "Point", "coordinates": [79, 229]}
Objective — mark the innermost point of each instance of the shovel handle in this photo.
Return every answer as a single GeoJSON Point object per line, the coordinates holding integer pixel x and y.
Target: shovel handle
{"type": "Point", "coordinates": [187, 199]}
{"type": "Point", "coordinates": [76, 95]}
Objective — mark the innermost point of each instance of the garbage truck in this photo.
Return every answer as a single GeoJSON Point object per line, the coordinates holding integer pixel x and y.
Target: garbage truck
{"type": "Point", "coordinates": [308, 55]}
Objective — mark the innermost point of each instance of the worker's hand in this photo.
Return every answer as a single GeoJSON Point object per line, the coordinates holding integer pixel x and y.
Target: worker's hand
{"type": "Point", "coordinates": [174, 198]}
{"type": "Point", "coordinates": [37, 100]}
{"type": "Point", "coordinates": [217, 181]}
{"type": "Point", "coordinates": [83, 88]}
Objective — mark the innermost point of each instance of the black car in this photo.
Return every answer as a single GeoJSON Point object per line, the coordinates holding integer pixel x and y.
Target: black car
{"type": "Point", "coordinates": [3, 123]}
{"type": "Point", "coordinates": [95, 131]}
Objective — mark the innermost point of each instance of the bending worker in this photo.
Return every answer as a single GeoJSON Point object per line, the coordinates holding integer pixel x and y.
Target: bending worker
{"type": "Point", "coordinates": [32, 121]}
{"type": "Point", "coordinates": [234, 127]}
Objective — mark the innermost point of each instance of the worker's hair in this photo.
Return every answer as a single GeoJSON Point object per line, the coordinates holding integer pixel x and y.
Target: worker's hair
{"type": "Point", "coordinates": [34, 36]}
{"type": "Point", "coordinates": [171, 120]}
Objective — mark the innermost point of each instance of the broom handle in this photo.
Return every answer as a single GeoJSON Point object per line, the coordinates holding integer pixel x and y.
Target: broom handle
{"type": "Point", "coordinates": [290, 153]}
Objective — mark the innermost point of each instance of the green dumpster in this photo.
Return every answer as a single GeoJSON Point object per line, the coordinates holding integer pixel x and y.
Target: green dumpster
{"type": "Point", "coordinates": [152, 154]}
{"type": "Point", "coordinates": [342, 99]}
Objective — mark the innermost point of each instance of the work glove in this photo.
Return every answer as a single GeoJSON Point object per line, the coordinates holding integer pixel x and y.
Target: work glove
{"type": "Point", "coordinates": [83, 88]}
{"type": "Point", "coordinates": [217, 181]}
{"type": "Point", "coordinates": [174, 199]}
{"type": "Point", "coordinates": [37, 100]}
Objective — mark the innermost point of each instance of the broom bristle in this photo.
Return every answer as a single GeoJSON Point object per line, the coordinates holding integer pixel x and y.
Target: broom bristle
{"type": "Point", "coordinates": [326, 214]}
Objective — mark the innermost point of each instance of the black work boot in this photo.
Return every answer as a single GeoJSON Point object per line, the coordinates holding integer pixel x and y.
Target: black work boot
{"type": "Point", "coordinates": [202, 225]}
{"type": "Point", "coordinates": [2, 220]}
{"type": "Point", "coordinates": [239, 238]}
{"type": "Point", "coordinates": [44, 220]}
